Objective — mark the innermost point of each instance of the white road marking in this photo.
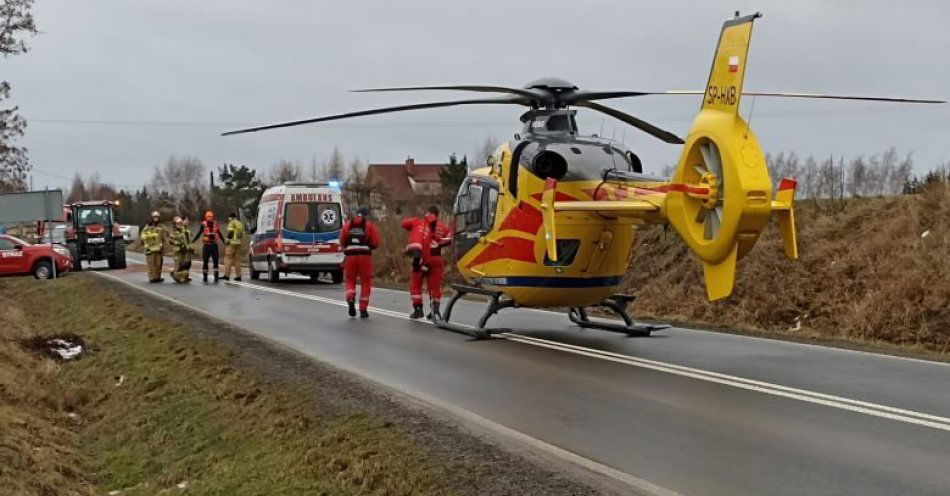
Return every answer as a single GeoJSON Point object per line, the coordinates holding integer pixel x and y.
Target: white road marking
{"type": "Point", "coordinates": [848, 404]}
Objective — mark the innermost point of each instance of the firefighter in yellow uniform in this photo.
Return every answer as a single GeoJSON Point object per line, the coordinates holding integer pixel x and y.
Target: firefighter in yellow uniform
{"type": "Point", "coordinates": [232, 247]}
{"type": "Point", "coordinates": [181, 246]}
{"type": "Point", "coordinates": [153, 237]}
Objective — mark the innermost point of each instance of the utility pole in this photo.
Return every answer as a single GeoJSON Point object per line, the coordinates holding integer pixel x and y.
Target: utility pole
{"type": "Point", "coordinates": [211, 192]}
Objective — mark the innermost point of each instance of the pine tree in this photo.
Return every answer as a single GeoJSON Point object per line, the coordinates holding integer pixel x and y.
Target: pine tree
{"type": "Point", "coordinates": [15, 21]}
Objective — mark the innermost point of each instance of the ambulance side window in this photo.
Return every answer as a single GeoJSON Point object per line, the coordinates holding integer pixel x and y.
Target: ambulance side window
{"type": "Point", "coordinates": [266, 217]}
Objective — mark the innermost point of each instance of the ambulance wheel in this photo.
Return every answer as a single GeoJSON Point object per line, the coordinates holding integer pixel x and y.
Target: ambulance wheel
{"type": "Point", "coordinates": [314, 277]}
{"type": "Point", "coordinates": [336, 276]}
{"type": "Point", "coordinates": [255, 275]}
{"type": "Point", "coordinates": [272, 274]}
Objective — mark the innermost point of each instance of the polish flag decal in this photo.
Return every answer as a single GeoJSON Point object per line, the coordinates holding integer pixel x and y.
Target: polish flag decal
{"type": "Point", "coordinates": [734, 63]}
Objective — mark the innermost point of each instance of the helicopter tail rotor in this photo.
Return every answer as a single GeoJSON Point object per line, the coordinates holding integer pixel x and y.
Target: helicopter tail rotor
{"type": "Point", "coordinates": [720, 194]}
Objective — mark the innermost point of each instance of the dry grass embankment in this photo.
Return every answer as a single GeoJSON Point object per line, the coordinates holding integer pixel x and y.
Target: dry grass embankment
{"type": "Point", "coordinates": [159, 404]}
{"type": "Point", "coordinates": [876, 271]}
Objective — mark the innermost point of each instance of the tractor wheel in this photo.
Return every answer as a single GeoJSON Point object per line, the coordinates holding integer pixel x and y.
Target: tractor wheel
{"type": "Point", "coordinates": [74, 254]}
{"type": "Point", "coordinates": [272, 274]}
{"type": "Point", "coordinates": [43, 270]}
{"type": "Point", "coordinates": [117, 260]}
{"type": "Point", "coordinates": [255, 275]}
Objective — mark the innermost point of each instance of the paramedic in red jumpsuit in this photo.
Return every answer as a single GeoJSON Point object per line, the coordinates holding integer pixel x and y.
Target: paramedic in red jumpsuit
{"type": "Point", "coordinates": [359, 238]}
{"type": "Point", "coordinates": [433, 235]}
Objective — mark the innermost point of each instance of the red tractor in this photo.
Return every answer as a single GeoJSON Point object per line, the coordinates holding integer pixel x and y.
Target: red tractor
{"type": "Point", "coordinates": [93, 234]}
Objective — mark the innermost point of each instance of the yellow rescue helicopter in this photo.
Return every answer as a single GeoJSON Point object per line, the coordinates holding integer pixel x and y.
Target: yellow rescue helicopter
{"type": "Point", "coordinates": [550, 221]}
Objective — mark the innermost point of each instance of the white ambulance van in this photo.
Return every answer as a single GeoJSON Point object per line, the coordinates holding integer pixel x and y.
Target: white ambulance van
{"type": "Point", "coordinates": [298, 231]}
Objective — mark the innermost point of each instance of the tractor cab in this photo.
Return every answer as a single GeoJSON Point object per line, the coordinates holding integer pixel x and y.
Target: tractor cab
{"type": "Point", "coordinates": [93, 234]}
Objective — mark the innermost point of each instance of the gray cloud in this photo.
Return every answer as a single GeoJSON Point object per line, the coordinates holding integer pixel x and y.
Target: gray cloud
{"type": "Point", "coordinates": [248, 62]}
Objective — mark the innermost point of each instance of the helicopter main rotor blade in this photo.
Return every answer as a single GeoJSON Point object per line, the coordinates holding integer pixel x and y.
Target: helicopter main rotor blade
{"type": "Point", "coordinates": [581, 95]}
{"type": "Point", "coordinates": [816, 95]}
{"type": "Point", "coordinates": [633, 121]}
{"type": "Point", "coordinates": [385, 110]}
{"type": "Point", "coordinates": [472, 87]}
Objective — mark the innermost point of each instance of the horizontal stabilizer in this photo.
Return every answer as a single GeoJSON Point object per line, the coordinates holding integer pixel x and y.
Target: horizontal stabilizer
{"type": "Point", "coordinates": [784, 208]}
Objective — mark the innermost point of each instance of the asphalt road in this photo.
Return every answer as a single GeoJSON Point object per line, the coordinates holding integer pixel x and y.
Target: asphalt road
{"type": "Point", "coordinates": [686, 411]}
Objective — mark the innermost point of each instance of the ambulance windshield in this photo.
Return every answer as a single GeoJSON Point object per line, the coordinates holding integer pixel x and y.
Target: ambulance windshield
{"type": "Point", "coordinates": [312, 217]}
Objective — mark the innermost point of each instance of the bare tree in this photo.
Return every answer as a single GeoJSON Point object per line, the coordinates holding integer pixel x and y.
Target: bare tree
{"type": "Point", "coordinates": [333, 169]}
{"type": "Point", "coordinates": [859, 177]}
{"type": "Point", "coordinates": [180, 187]}
{"type": "Point", "coordinates": [284, 171]}
{"type": "Point", "coordinates": [901, 175]}
{"type": "Point", "coordinates": [315, 169]}
{"type": "Point", "coordinates": [77, 190]}
{"type": "Point", "coordinates": [808, 178]}
{"type": "Point", "coordinates": [15, 21]}
{"type": "Point", "coordinates": [93, 188]}
{"type": "Point", "coordinates": [357, 186]}
{"type": "Point", "coordinates": [484, 150]}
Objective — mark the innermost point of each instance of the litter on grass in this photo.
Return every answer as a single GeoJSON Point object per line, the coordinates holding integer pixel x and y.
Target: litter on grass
{"type": "Point", "coordinates": [61, 347]}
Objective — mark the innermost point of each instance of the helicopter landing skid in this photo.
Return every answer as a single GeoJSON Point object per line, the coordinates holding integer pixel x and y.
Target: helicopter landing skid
{"type": "Point", "coordinates": [480, 331]}
{"type": "Point", "coordinates": [618, 304]}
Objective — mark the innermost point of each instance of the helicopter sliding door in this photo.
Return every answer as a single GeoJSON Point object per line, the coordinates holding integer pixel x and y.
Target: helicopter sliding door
{"type": "Point", "coordinates": [474, 213]}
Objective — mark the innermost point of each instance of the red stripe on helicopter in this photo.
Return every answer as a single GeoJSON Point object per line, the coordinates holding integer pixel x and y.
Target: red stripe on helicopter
{"type": "Point", "coordinates": [686, 188]}
{"type": "Point", "coordinates": [787, 183]}
{"type": "Point", "coordinates": [524, 218]}
{"type": "Point", "coordinates": [511, 248]}
{"type": "Point", "coordinates": [558, 196]}
{"type": "Point", "coordinates": [605, 193]}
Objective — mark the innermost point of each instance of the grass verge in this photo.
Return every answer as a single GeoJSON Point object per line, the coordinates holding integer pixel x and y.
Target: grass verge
{"type": "Point", "coordinates": [157, 405]}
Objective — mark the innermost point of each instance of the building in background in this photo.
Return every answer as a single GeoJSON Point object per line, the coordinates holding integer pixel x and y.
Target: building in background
{"type": "Point", "coordinates": [397, 186]}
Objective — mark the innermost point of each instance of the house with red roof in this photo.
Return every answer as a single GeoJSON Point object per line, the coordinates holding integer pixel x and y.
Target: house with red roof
{"type": "Point", "coordinates": [398, 185]}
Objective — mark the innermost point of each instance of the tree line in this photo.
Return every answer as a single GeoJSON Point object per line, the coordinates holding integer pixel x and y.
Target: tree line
{"type": "Point", "coordinates": [878, 174]}
{"type": "Point", "coordinates": [184, 186]}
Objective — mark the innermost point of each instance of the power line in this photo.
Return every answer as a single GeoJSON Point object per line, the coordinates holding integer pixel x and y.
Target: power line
{"type": "Point", "coordinates": [66, 178]}
{"type": "Point", "coordinates": [460, 123]}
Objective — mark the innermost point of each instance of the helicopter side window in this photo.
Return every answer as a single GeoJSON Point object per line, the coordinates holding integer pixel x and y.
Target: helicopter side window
{"type": "Point", "coordinates": [475, 207]}
{"type": "Point", "coordinates": [488, 215]}
{"type": "Point", "coordinates": [515, 165]}
{"type": "Point", "coordinates": [473, 212]}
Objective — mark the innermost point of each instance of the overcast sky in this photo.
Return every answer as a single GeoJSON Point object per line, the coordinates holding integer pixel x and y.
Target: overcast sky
{"type": "Point", "coordinates": [179, 72]}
